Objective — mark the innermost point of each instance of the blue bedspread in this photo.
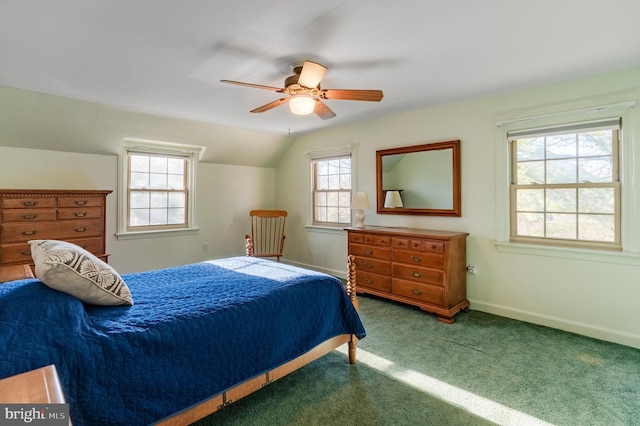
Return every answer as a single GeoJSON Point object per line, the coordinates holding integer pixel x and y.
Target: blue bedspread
{"type": "Point", "coordinates": [194, 331]}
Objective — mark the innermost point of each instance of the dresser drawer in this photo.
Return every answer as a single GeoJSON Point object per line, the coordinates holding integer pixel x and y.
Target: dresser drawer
{"type": "Point", "coordinates": [369, 251]}
{"type": "Point", "coordinates": [372, 265]}
{"type": "Point", "coordinates": [28, 202]}
{"type": "Point", "coordinates": [21, 253]}
{"type": "Point", "coordinates": [16, 232]}
{"type": "Point", "coordinates": [80, 213]}
{"type": "Point", "coordinates": [418, 244]}
{"type": "Point", "coordinates": [379, 240]}
{"type": "Point", "coordinates": [414, 273]}
{"type": "Point", "coordinates": [80, 202]}
{"type": "Point", "coordinates": [418, 258]}
{"type": "Point", "coordinates": [27, 215]}
{"type": "Point", "coordinates": [15, 253]}
{"type": "Point", "coordinates": [356, 237]}
{"type": "Point", "coordinates": [374, 281]}
{"type": "Point", "coordinates": [430, 246]}
{"type": "Point", "coordinates": [423, 292]}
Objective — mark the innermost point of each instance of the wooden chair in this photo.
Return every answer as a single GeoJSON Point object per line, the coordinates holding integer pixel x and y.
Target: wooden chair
{"type": "Point", "coordinates": [267, 233]}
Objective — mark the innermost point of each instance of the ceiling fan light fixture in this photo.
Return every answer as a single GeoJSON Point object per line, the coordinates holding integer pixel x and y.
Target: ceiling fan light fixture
{"type": "Point", "coordinates": [302, 104]}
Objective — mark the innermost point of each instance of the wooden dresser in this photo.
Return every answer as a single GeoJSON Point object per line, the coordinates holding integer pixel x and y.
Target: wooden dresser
{"type": "Point", "coordinates": [420, 267]}
{"type": "Point", "coordinates": [71, 215]}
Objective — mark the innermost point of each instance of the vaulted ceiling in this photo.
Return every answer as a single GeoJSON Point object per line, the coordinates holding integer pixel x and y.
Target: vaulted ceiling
{"type": "Point", "coordinates": [168, 57]}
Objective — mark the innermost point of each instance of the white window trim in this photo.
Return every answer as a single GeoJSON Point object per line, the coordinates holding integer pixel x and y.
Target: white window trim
{"type": "Point", "coordinates": [324, 153]}
{"type": "Point", "coordinates": [629, 176]}
{"type": "Point", "coordinates": [192, 151]}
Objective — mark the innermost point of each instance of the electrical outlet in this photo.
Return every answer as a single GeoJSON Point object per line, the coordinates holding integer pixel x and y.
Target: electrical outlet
{"type": "Point", "coordinates": [472, 269]}
{"type": "Point", "coordinates": [205, 246]}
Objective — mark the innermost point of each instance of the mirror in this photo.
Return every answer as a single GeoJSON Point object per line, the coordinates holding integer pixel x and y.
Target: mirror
{"type": "Point", "coordinates": [421, 179]}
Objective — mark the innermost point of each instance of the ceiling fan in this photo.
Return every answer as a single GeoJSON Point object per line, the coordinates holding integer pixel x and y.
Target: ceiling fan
{"type": "Point", "coordinates": [305, 92]}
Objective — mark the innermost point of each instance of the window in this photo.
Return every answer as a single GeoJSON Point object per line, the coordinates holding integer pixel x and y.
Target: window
{"type": "Point", "coordinates": [157, 191]}
{"type": "Point", "coordinates": [331, 183]}
{"type": "Point", "coordinates": [565, 185]}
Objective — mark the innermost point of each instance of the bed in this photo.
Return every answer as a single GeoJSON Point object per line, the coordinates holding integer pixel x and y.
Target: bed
{"type": "Point", "coordinates": [197, 338]}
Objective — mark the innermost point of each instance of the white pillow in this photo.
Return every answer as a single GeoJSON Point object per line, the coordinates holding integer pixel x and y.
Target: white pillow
{"type": "Point", "coordinates": [73, 270]}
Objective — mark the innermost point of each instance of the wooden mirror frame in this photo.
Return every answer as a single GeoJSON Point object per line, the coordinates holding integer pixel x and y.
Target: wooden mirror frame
{"type": "Point", "coordinates": [456, 195]}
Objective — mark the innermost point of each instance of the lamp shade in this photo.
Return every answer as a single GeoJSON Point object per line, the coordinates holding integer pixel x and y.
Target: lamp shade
{"type": "Point", "coordinates": [360, 200]}
{"type": "Point", "coordinates": [393, 199]}
{"type": "Point", "coordinates": [302, 104]}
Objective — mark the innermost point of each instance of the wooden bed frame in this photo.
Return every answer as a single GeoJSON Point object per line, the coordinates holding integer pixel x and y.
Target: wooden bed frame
{"type": "Point", "coordinates": [243, 389]}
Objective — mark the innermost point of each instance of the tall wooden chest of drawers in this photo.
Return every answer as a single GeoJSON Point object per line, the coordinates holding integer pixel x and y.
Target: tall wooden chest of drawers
{"type": "Point", "coordinates": [420, 267]}
{"type": "Point", "coordinates": [72, 215]}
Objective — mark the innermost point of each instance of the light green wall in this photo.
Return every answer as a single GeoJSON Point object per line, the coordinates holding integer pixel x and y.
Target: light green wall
{"type": "Point", "coordinates": [593, 298]}
{"type": "Point", "coordinates": [225, 195]}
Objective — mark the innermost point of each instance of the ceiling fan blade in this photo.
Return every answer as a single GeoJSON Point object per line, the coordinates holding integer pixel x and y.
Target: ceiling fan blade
{"type": "Point", "coordinates": [352, 95]}
{"type": "Point", "coordinates": [323, 111]}
{"type": "Point", "coordinates": [311, 74]}
{"type": "Point", "coordinates": [256, 86]}
{"type": "Point", "coordinates": [270, 105]}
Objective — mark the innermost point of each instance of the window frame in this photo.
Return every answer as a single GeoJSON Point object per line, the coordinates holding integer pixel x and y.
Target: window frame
{"type": "Point", "coordinates": [586, 109]}
{"type": "Point", "coordinates": [190, 153]}
{"type": "Point", "coordinates": [327, 155]}
{"type": "Point", "coordinates": [567, 129]}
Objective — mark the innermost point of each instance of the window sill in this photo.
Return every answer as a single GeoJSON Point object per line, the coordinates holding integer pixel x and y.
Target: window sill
{"type": "Point", "coordinates": [327, 229]}
{"type": "Point", "coordinates": [570, 253]}
{"type": "Point", "coordinates": [155, 234]}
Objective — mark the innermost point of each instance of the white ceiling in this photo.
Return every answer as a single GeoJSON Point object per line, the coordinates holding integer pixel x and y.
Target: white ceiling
{"type": "Point", "coordinates": [168, 57]}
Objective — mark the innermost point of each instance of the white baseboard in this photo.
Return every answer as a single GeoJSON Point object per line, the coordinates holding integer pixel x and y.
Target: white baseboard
{"type": "Point", "coordinates": [584, 329]}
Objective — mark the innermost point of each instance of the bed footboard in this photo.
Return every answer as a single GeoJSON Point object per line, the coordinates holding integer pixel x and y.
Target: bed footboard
{"type": "Point", "coordinates": [223, 399]}
{"type": "Point", "coordinates": [351, 291]}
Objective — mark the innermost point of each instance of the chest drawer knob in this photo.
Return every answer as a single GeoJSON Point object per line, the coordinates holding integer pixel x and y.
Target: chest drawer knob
{"type": "Point", "coordinates": [25, 252]}
{"type": "Point", "coordinates": [416, 292]}
{"type": "Point", "coordinates": [368, 265]}
{"type": "Point", "coordinates": [80, 214]}
{"type": "Point", "coordinates": [80, 202]}
{"type": "Point", "coordinates": [368, 281]}
{"type": "Point", "coordinates": [368, 251]}
{"type": "Point", "coordinates": [416, 274]}
{"type": "Point", "coordinates": [81, 229]}
{"type": "Point", "coordinates": [28, 232]}
{"type": "Point", "coordinates": [29, 216]}
{"type": "Point", "coordinates": [416, 258]}
{"type": "Point", "coordinates": [29, 203]}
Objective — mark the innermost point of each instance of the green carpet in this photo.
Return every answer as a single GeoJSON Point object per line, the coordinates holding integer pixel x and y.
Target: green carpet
{"type": "Point", "coordinates": [484, 369]}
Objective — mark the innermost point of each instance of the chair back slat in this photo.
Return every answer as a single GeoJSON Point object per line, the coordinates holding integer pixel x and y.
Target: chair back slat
{"type": "Point", "coordinates": [267, 232]}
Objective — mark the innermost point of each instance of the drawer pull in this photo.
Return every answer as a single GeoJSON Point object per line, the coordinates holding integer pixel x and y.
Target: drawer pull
{"type": "Point", "coordinates": [368, 265]}
{"type": "Point", "coordinates": [416, 292]}
{"type": "Point", "coordinates": [29, 203]}
{"type": "Point", "coordinates": [29, 216]}
{"type": "Point", "coordinates": [25, 252]}
{"type": "Point", "coordinates": [28, 232]}
{"type": "Point", "coordinates": [433, 247]}
{"type": "Point", "coordinates": [80, 214]}
{"type": "Point", "coordinates": [368, 281]}
{"type": "Point", "coordinates": [368, 251]}
{"type": "Point", "coordinates": [416, 274]}
{"type": "Point", "coordinates": [81, 229]}
{"type": "Point", "coordinates": [416, 258]}
{"type": "Point", "coordinates": [80, 202]}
